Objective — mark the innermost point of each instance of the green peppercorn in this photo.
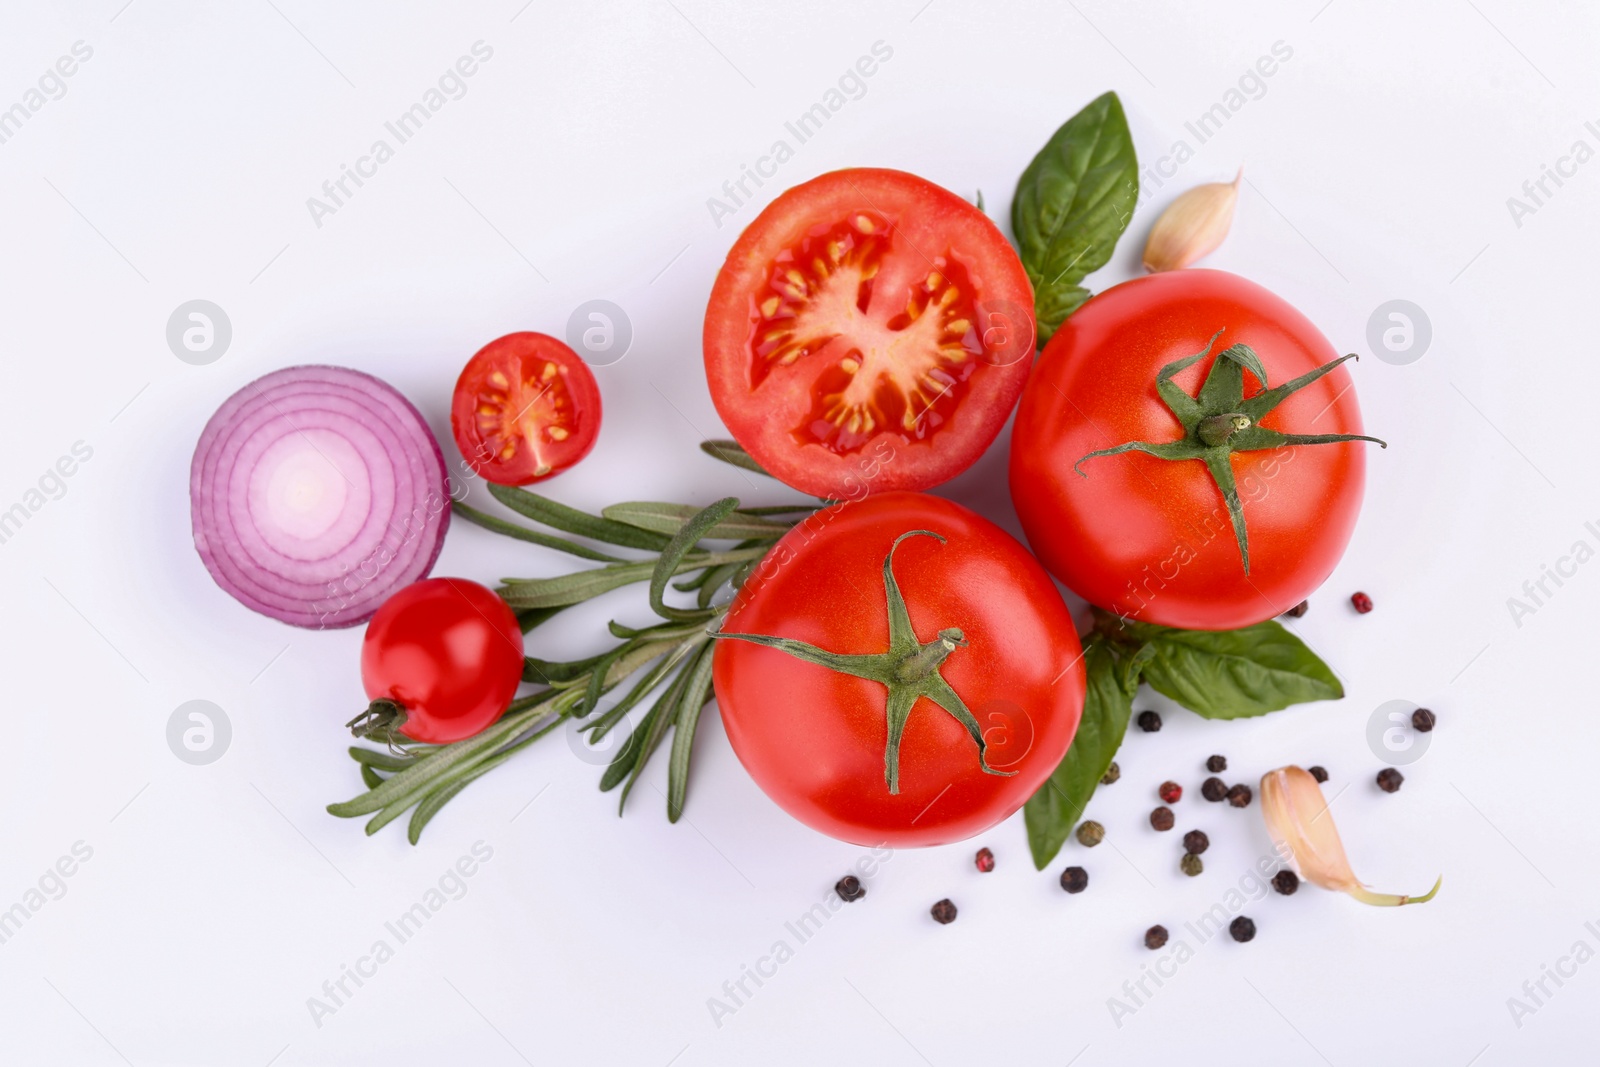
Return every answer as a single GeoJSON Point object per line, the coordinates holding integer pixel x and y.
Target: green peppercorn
{"type": "Point", "coordinates": [1113, 772]}
{"type": "Point", "coordinates": [1090, 833]}
{"type": "Point", "coordinates": [1191, 864]}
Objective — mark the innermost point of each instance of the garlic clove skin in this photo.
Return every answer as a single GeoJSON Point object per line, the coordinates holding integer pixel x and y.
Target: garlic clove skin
{"type": "Point", "coordinates": [1298, 820]}
{"type": "Point", "coordinates": [1192, 226]}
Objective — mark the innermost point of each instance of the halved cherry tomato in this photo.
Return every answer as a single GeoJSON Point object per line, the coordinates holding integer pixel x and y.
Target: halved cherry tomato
{"type": "Point", "coordinates": [525, 407]}
{"type": "Point", "coordinates": [868, 319]}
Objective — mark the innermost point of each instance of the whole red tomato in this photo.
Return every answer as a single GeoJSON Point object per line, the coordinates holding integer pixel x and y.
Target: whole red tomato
{"type": "Point", "coordinates": [918, 675]}
{"type": "Point", "coordinates": [1129, 506]}
{"type": "Point", "coordinates": [441, 660]}
{"type": "Point", "coordinates": [868, 313]}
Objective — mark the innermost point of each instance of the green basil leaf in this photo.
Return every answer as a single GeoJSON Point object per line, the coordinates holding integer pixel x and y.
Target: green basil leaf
{"type": "Point", "coordinates": [1235, 674]}
{"type": "Point", "coordinates": [1055, 809]}
{"type": "Point", "coordinates": [1072, 204]}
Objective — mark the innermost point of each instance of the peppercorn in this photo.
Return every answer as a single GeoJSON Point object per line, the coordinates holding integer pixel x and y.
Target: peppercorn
{"type": "Point", "coordinates": [1239, 796]}
{"type": "Point", "coordinates": [1299, 609]}
{"type": "Point", "coordinates": [1190, 864]}
{"type": "Point", "coordinates": [1361, 602]}
{"type": "Point", "coordinates": [1242, 929]}
{"type": "Point", "coordinates": [1214, 789]}
{"type": "Point", "coordinates": [1161, 818]}
{"type": "Point", "coordinates": [1171, 792]}
{"type": "Point", "coordinates": [1217, 764]}
{"type": "Point", "coordinates": [1149, 722]}
{"type": "Point", "coordinates": [1389, 780]}
{"type": "Point", "coordinates": [1090, 833]}
{"type": "Point", "coordinates": [1113, 772]}
{"type": "Point", "coordinates": [944, 912]}
{"type": "Point", "coordinates": [1196, 841]}
{"type": "Point", "coordinates": [1155, 937]}
{"type": "Point", "coordinates": [1320, 773]}
{"type": "Point", "coordinates": [1286, 882]}
{"type": "Point", "coordinates": [985, 860]}
{"type": "Point", "coordinates": [1422, 720]}
{"type": "Point", "coordinates": [849, 888]}
{"type": "Point", "coordinates": [1074, 879]}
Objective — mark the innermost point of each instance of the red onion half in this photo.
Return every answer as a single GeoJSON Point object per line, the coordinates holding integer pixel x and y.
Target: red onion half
{"type": "Point", "coordinates": [315, 493]}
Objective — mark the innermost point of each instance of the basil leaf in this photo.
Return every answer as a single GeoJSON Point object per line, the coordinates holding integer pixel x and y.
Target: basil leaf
{"type": "Point", "coordinates": [1235, 674]}
{"type": "Point", "coordinates": [1055, 809]}
{"type": "Point", "coordinates": [1072, 203]}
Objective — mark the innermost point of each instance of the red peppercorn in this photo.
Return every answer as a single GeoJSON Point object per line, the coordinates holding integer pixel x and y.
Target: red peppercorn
{"type": "Point", "coordinates": [985, 860]}
{"type": "Point", "coordinates": [1171, 792]}
{"type": "Point", "coordinates": [1361, 602]}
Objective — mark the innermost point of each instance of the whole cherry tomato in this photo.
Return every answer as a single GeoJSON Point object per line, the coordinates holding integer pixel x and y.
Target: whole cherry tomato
{"type": "Point", "coordinates": [441, 660]}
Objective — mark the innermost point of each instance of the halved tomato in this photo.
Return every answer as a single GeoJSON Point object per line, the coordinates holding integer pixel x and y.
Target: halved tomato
{"type": "Point", "coordinates": [525, 407]}
{"type": "Point", "coordinates": [869, 331]}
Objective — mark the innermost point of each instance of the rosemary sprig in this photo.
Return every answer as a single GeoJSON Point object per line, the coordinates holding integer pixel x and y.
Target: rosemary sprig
{"type": "Point", "coordinates": [672, 657]}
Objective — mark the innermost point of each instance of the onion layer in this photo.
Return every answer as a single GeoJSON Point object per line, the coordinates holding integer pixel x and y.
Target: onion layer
{"type": "Point", "coordinates": [315, 493]}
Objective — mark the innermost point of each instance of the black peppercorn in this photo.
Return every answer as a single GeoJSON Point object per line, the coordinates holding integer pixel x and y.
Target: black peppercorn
{"type": "Point", "coordinates": [985, 860]}
{"type": "Point", "coordinates": [1149, 722]}
{"type": "Point", "coordinates": [1161, 818]}
{"type": "Point", "coordinates": [1155, 937]}
{"type": "Point", "coordinates": [944, 912]}
{"type": "Point", "coordinates": [1299, 609]}
{"type": "Point", "coordinates": [849, 888]}
{"type": "Point", "coordinates": [1214, 789]}
{"type": "Point", "coordinates": [1242, 929]}
{"type": "Point", "coordinates": [1389, 780]}
{"type": "Point", "coordinates": [1113, 772]}
{"type": "Point", "coordinates": [1319, 773]}
{"type": "Point", "coordinates": [1074, 879]}
{"type": "Point", "coordinates": [1191, 864]}
{"type": "Point", "coordinates": [1422, 720]}
{"type": "Point", "coordinates": [1217, 764]}
{"type": "Point", "coordinates": [1196, 841]}
{"type": "Point", "coordinates": [1286, 882]}
{"type": "Point", "coordinates": [1090, 833]}
{"type": "Point", "coordinates": [1361, 602]}
{"type": "Point", "coordinates": [1239, 796]}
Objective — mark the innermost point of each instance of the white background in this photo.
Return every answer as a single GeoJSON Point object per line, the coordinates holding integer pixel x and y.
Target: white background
{"type": "Point", "coordinates": [578, 165]}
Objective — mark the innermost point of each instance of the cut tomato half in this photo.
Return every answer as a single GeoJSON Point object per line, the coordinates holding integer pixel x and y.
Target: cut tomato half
{"type": "Point", "coordinates": [525, 407]}
{"type": "Point", "coordinates": [869, 331]}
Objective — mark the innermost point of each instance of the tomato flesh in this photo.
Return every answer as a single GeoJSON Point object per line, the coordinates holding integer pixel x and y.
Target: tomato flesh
{"type": "Point", "coordinates": [449, 652]}
{"type": "Point", "coordinates": [814, 740]}
{"type": "Point", "coordinates": [868, 313]}
{"type": "Point", "coordinates": [526, 407]}
{"type": "Point", "coordinates": [1151, 539]}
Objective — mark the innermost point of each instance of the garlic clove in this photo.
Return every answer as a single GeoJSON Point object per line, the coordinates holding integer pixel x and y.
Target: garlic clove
{"type": "Point", "coordinates": [1302, 829]}
{"type": "Point", "coordinates": [1192, 226]}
